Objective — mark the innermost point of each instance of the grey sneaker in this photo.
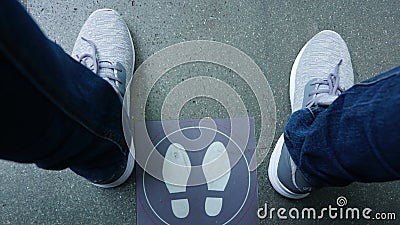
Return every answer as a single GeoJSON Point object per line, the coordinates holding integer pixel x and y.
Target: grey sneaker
{"type": "Point", "coordinates": [314, 79]}
{"type": "Point", "coordinates": [105, 46]}
{"type": "Point", "coordinates": [320, 73]}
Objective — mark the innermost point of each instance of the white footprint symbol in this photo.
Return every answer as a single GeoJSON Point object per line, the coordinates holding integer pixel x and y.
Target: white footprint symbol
{"type": "Point", "coordinates": [216, 168]}
{"type": "Point", "coordinates": [176, 171]}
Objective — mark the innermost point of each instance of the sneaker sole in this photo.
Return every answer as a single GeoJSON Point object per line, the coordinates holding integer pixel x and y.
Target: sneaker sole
{"type": "Point", "coordinates": [273, 173]}
{"type": "Point", "coordinates": [127, 173]}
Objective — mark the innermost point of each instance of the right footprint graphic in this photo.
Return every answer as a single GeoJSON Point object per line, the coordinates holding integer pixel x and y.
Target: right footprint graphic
{"type": "Point", "coordinates": [216, 169]}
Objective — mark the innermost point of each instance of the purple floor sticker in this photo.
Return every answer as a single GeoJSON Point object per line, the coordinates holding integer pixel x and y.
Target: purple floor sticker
{"type": "Point", "coordinates": [235, 203]}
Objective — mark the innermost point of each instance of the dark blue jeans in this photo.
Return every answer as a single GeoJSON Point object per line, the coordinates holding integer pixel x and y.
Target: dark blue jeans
{"type": "Point", "coordinates": [357, 138]}
{"type": "Point", "coordinates": [56, 113]}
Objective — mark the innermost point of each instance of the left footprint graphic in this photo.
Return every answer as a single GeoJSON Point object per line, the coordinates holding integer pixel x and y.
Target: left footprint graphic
{"type": "Point", "coordinates": [176, 171]}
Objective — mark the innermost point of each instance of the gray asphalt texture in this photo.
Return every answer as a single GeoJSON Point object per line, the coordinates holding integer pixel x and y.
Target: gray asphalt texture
{"type": "Point", "coordinates": [270, 32]}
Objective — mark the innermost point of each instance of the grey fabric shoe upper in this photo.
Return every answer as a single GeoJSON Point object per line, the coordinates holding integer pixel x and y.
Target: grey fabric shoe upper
{"type": "Point", "coordinates": [321, 72]}
{"type": "Point", "coordinates": [105, 46]}
{"type": "Point", "coordinates": [323, 92]}
{"type": "Point", "coordinates": [319, 63]}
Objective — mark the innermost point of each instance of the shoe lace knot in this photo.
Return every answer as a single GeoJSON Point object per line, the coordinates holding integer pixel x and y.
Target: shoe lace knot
{"type": "Point", "coordinates": [109, 69]}
{"type": "Point", "coordinates": [332, 82]}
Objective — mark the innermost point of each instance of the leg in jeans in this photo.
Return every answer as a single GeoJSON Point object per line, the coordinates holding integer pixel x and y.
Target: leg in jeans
{"type": "Point", "coordinates": [338, 133]}
{"type": "Point", "coordinates": [56, 112]}
{"type": "Point", "coordinates": [356, 138]}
